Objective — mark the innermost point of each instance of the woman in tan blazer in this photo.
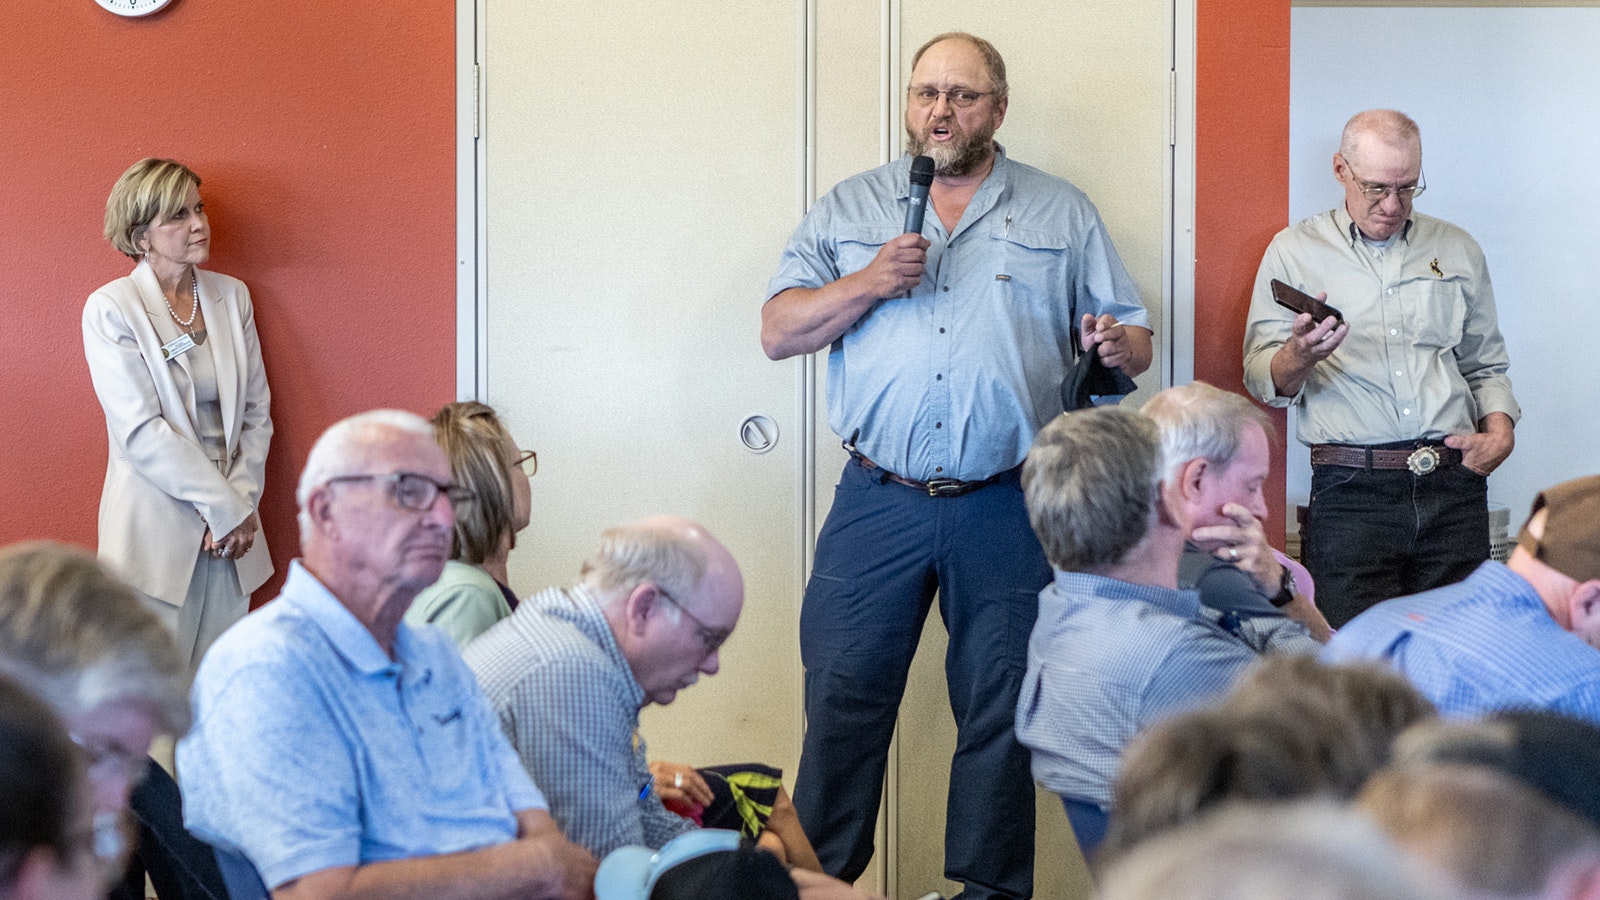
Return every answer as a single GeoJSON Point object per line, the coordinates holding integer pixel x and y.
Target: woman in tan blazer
{"type": "Point", "coordinates": [173, 355]}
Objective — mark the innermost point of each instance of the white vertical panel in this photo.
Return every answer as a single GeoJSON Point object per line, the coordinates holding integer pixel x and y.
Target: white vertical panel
{"type": "Point", "coordinates": [641, 180]}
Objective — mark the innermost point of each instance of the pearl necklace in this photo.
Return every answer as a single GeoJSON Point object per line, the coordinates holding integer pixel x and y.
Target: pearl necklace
{"type": "Point", "coordinates": [188, 326]}
{"type": "Point", "coordinates": [194, 283]}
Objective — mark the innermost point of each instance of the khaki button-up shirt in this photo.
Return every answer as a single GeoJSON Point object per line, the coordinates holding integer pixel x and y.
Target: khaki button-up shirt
{"type": "Point", "coordinates": [1424, 357]}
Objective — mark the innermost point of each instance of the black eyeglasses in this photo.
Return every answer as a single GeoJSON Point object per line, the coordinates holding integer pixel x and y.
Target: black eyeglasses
{"type": "Point", "coordinates": [1376, 192]}
{"type": "Point", "coordinates": [960, 98]}
{"type": "Point", "coordinates": [528, 462]}
{"type": "Point", "coordinates": [711, 639]}
{"type": "Point", "coordinates": [410, 490]}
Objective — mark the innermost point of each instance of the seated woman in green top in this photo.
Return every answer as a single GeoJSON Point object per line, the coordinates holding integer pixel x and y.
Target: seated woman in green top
{"type": "Point", "coordinates": [471, 594]}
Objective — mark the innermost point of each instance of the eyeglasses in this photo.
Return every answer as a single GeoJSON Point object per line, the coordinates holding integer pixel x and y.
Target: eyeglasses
{"type": "Point", "coordinates": [528, 462]}
{"type": "Point", "coordinates": [710, 638]}
{"type": "Point", "coordinates": [410, 490]}
{"type": "Point", "coordinates": [960, 99]}
{"type": "Point", "coordinates": [1376, 192]}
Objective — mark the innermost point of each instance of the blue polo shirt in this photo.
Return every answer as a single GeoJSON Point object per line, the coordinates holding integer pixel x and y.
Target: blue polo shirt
{"type": "Point", "coordinates": [312, 749]}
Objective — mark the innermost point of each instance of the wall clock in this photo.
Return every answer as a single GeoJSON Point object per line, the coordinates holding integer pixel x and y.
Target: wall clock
{"type": "Point", "coordinates": [132, 7]}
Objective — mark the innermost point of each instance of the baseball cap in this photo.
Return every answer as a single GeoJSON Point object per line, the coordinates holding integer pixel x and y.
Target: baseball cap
{"type": "Point", "coordinates": [748, 873]}
{"type": "Point", "coordinates": [1571, 541]}
{"type": "Point", "coordinates": [631, 873]}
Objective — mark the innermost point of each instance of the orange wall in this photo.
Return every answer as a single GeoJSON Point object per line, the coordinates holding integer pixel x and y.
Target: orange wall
{"type": "Point", "coordinates": [324, 133]}
{"type": "Point", "coordinates": [1241, 181]}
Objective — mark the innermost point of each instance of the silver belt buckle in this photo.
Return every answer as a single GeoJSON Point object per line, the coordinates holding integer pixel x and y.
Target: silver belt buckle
{"type": "Point", "coordinates": [1423, 460]}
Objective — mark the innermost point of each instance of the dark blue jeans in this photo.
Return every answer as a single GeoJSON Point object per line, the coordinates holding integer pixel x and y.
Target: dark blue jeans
{"type": "Point", "coordinates": [883, 552]}
{"type": "Point", "coordinates": [1370, 536]}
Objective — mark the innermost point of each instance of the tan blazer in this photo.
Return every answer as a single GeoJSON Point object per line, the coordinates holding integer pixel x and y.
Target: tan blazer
{"type": "Point", "coordinates": [161, 490]}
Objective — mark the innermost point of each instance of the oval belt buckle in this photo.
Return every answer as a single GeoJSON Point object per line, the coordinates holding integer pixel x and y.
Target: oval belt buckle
{"type": "Point", "coordinates": [1423, 460]}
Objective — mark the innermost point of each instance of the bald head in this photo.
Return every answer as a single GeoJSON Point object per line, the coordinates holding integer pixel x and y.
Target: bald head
{"type": "Point", "coordinates": [672, 595]}
{"type": "Point", "coordinates": [676, 553]}
{"type": "Point", "coordinates": [1386, 126]}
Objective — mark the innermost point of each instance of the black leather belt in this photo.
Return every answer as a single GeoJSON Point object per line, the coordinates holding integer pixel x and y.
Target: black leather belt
{"type": "Point", "coordinates": [935, 487]}
{"type": "Point", "coordinates": [1420, 459]}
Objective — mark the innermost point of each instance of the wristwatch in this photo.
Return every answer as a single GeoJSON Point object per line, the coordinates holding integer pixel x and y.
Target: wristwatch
{"type": "Point", "coordinates": [1285, 594]}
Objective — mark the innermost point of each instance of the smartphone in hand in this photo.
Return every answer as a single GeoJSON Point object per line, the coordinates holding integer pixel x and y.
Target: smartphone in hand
{"type": "Point", "coordinates": [1302, 302]}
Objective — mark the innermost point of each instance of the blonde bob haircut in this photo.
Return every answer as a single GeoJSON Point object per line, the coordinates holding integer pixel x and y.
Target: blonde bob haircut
{"type": "Point", "coordinates": [151, 188]}
{"type": "Point", "coordinates": [79, 638]}
{"type": "Point", "coordinates": [482, 459]}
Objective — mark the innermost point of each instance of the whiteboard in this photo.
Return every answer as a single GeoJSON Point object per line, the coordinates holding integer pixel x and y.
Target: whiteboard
{"type": "Point", "coordinates": [1507, 102]}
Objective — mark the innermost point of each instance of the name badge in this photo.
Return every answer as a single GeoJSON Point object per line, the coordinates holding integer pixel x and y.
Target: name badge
{"type": "Point", "coordinates": [177, 347]}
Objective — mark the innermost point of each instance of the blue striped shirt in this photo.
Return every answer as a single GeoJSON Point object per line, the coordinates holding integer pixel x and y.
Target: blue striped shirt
{"type": "Point", "coordinates": [1107, 659]}
{"type": "Point", "coordinates": [1479, 645]}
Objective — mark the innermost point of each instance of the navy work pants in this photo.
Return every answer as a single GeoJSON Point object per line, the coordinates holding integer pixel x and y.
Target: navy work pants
{"type": "Point", "coordinates": [883, 552]}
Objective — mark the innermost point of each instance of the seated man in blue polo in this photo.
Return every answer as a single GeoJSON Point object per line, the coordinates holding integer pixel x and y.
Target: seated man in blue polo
{"type": "Point", "coordinates": [1523, 634]}
{"type": "Point", "coordinates": [343, 752]}
{"type": "Point", "coordinates": [1117, 646]}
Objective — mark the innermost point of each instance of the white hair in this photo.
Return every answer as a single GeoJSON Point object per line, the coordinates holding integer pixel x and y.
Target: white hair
{"type": "Point", "coordinates": [1198, 421]}
{"type": "Point", "coordinates": [342, 446]}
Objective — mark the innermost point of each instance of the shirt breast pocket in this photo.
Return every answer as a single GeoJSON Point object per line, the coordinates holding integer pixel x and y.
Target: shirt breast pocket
{"type": "Point", "coordinates": [1438, 312]}
{"type": "Point", "coordinates": [858, 244]}
{"type": "Point", "coordinates": [1029, 260]}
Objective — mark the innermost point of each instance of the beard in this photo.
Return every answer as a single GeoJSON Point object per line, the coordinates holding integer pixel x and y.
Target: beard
{"type": "Point", "coordinates": [957, 157]}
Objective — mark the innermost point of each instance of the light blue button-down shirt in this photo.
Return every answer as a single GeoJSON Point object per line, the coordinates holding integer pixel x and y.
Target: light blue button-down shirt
{"type": "Point", "coordinates": [955, 380]}
{"type": "Point", "coordinates": [1479, 645]}
{"type": "Point", "coordinates": [312, 749]}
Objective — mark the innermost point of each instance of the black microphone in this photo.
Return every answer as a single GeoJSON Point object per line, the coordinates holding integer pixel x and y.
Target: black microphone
{"type": "Point", "coordinates": [921, 179]}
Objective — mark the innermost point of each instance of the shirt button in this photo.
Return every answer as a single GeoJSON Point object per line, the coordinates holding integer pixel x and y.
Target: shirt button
{"type": "Point", "coordinates": [1389, 292]}
{"type": "Point", "coordinates": [1398, 373]}
{"type": "Point", "coordinates": [1394, 331]}
{"type": "Point", "coordinates": [1407, 410]}
{"type": "Point", "coordinates": [938, 468]}
{"type": "Point", "coordinates": [941, 377]}
{"type": "Point", "coordinates": [947, 289]}
{"type": "Point", "coordinates": [941, 424]}
{"type": "Point", "coordinates": [941, 331]}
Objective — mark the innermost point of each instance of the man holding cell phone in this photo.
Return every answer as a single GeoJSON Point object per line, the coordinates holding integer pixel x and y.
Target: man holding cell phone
{"type": "Point", "coordinates": [1405, 403]}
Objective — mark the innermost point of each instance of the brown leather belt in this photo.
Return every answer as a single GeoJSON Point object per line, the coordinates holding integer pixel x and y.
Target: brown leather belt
{"type": "Point", "coordinates": [935, 487]}
{"type": "Point", "coordinates": [1420, 460]}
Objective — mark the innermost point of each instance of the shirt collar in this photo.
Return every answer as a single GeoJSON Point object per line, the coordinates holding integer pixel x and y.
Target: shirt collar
{"type": "Point", "coordinates": [347, 635]}
{"type": "Point", "coordinates": [1098, 587]}
{"type": "Point", "coordinates": [1352, 234]}
{"type": "Point", "coordinates": [584, 612]}
{"type": "Point", "coordinates": [901, 170]}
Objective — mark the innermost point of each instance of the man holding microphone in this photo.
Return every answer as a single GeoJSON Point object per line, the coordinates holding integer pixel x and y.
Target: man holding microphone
{"type": "Point", "coordinates": [947, 347]}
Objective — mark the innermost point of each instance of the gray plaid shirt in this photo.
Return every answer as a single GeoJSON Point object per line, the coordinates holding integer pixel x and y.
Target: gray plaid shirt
{"type": "Point", "coordinates": [568, 700]}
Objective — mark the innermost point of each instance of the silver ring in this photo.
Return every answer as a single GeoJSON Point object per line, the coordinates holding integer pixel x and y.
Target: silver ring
{"type": "Point", "coordinates": [677, 780]}
{"type": "Point", "coordinates": [1233, 553]}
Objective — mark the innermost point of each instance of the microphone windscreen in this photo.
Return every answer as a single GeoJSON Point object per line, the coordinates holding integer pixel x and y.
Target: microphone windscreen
{"type": "Point", "coordinates": [922, 170]}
